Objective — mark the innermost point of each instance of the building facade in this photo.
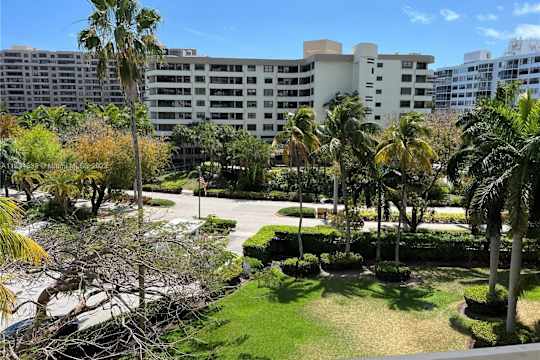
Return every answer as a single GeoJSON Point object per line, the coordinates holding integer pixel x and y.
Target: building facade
{"type": "Point", "coordinates": [256, 94]}
{"type": "Point", "coordinates": [458, 88]}
{"type": "Point", "coordinates": [30, 77]}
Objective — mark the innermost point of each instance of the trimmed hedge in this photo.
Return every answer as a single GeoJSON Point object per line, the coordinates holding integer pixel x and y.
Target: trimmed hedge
{"type": "Point", "coordinates": [341, 261]}
{"type": "Point", "coordinates": [219, 225]}
{"type": "Point", "coordinates": [308, 266]}
{"type": "Point", "coordinates": [479, 301]}
{"type": "Point", "coordinates": [277, 242]}
{"type": "Point", "coordinates": [254, 195]}
{"type": "Point", "coordinates": [169, 187]}
{"type": "Point", "coordinates": [160, 202]}
{"type": "Point", "coordinates": [392, 271]}
{"type": "Point", "coordinates": [488, 334]}
{"type": "Point", "coordinates": [307, 212]}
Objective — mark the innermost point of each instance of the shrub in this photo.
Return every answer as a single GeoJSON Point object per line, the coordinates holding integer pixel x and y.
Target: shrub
{"type": "Point", "coordinates": [308, 266]}
{"type": "Point", "coordinates": [392, 271]}
{"type": "Point", "coordinates": [341, 261]}
{"type": "Point", "coordinates": [487, 334]}
{"type": "Point", "coordinates": [253, 264]}
{"type": "Point", "coordinates": [170, 187]}
{"type": "Point", "coordinates": [254, 195]}
{"type": "Point", "coordinates": [160, 202]}
{"type": "Point", "coordinates": [307, 212]}
{"type": "Point", "coordinates": [479, 301]}
{"type": "Point", "coordinates": [231, 273]}
{"type": "Point", "coordinates": [214, 224]}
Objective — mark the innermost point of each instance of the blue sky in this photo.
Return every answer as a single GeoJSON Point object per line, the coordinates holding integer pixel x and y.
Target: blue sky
{"type": "Point", "coordinates": [276, 28]}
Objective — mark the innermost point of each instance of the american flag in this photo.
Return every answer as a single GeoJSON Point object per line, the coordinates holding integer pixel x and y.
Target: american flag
{"type": "Point", "coordinates": [203, 183]}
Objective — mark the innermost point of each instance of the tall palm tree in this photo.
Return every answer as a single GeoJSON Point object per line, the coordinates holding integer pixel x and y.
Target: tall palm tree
{"type": "Point", "coordinates": [405, 147]}
{"type": "Point", "coordinates": [299, 140]}
{"type": "Point", "coordinates": [516, 135]}
{"type": "Point", "coordinates": [121, 31]}
{"type": "Point", "coordinates": [14, 246]}
{"type": "Point", "coordinates": [345, 134]}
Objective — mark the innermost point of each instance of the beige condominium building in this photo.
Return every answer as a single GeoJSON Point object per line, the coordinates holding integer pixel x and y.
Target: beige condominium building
{"type": "Point", "coordinates": [256, 94]}
{"type": "Point", "coordinates": [31, 77]}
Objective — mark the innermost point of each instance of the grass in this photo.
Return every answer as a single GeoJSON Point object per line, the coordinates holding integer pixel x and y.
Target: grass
{"type": "Point", "coordinates": [174, 181]}
{"type": "Point", "coordinates": [307, 212]}
{"type": "Point", "coordinates": [160, 202]}
{"type": "Point", "coordinates": [340, 317]}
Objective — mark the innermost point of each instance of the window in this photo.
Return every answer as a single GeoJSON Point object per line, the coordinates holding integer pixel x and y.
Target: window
{"type": "Point", "coordinates": [421, 66]}
{"type": "Point", "coordinates": [268, 104]}
{"type": "Point", "coordinates": [268, 68]}
{"type": "Point", "coordinates": [377, 117]}
{"type": "Point", "coordinates": [379, 78]}
{"type": "Point", "coordinates": [268, 80]}
{"type": "Point", "coordinates": [252, 127]}
{"type": "Point", "coordinates": [404, 103]}
{"type": "Point", "coordinates": [420, 92]}
{"type": "Point", "coordinates": [199, 78]}
{"type": "Point", "coordinates": [406, 91]}
{"type": "Point", "coordinates": [268, 127]}
{"type": "Point", "coordinates": [268, 92]}
{"type": "Point", "coordinates": [200, 91]}
{"type": "Point", "coordinates": [379, 65]}
{"type": "Point", "coordinates": [251, 104]}
{"type": "Point", "coordinates": [252, 116]}
{"type": "Point", "coordinates": [378, 91]}
{"type": "Point", "coordinates": [406, 64]}
{"type": "Point", "coordinates": [199, 66]}
{"type": "Point", "coordinates": [267, 115]}
{"type": "Point", "coordinates": [419, 105]}
{"type": "Point", "coordinates": [421, 78]}
{"type": "Point", "coordinates": [252, 92]}
{"type": "Point", "coordinates": [251, 80]}
{"type": "Point", "coordinates": [200, 103]}
{"type": "Point", "coordinates": [406, 78]}
{"type": "Point", "coordinates": [201, 115]}
{"type": "Point", "coordinates": [251, 68]}
{"type": "Point", "coordinates": [280, 127]}
{"type": "Point", "coordinates": [378, 104]}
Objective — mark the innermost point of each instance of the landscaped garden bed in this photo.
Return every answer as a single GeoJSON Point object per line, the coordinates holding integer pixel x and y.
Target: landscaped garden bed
{"type": "Point", "coordinates": [307, 212]}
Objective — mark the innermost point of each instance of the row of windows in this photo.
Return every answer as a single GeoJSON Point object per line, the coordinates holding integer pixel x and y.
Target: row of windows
{"type": "Point", "coordinates": [409, 78]}
{"type": "Point", "coordinates": [417, 104]}
{"type": "Point", "coordinates": [236, 68]}
{"type": "Point", "coordinates": [230, 79]}
{"type": "Point", "coordinates": [249, 127]}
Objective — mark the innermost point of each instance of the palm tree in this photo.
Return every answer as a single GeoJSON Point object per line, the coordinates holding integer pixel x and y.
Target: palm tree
{"type": "Point", "coordinates": [9, 159]}
{"type": "Point", "coordinates": [346, 134]}
{"type": "Point", "coordinates": [14, 246]}
{"type": "Point", "coordinates": [121, 31]}
{"type": "Point", "coordinates": [182, 136]}
{"type": "Point", "coordinates": [299, 140]}
{"type": "Point", "coordinates": [63, 186]}
{"type": "Point", "coordinates": [28, 180]}
{"type": "Point", "coordinates": [404, 147]}
{"type": "Point", "coordinates": [516, 136]}
{"type": "Point", "coordinates": [8, 126]}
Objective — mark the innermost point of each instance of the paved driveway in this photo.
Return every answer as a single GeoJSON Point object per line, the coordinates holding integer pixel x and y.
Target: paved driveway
{"type": "Point", "coordinates": [252, 214]}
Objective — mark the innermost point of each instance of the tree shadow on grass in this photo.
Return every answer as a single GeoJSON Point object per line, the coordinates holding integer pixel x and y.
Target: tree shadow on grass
{"type": "Point", "coordinates": [449, 274]}
{"type": "Point", "coordinates": [406, 298]}
{"type": "Point", "coordinates": [292, 290]}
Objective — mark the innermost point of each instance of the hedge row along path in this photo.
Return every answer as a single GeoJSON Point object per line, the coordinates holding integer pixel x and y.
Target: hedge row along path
{"type": "Point", "coordinates": [251, 215]}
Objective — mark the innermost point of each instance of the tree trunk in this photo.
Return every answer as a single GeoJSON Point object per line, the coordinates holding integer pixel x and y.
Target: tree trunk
{"type": "Point", "coordinates": [345, 201]}
{"type": "Point", "coordinates": [336, 194]}
{"type": "Point", "coordinates": [401, 217]}
{"type": "Point", "coordinates": [493, 230]}
{"type": "Point", "coordinates": [379, 218]}
{"type": "Point", "coordinates": [132, 97]}
{"type": "Point", "coordinates": [300, 245]}
{"type": "Point", "coordinates": [513, 286]}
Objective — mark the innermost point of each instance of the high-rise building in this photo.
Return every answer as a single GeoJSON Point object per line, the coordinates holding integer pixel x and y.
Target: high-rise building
{"type": "Point", "coordinates": [31, 77]}
{"type": "Point", "coordinates": [256, 94]}
{"type": "Point", "coordinates": [459, 87]}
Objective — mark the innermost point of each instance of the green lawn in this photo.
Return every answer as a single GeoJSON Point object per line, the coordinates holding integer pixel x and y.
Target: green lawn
{"type": "Point", "coordinates": [294, 211]}
{"type": "Point", "coordinates": [342, 316]}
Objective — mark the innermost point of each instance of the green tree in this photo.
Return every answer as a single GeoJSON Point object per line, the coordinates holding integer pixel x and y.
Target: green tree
{"type": "Point", "coordinates": [14, 247]}
{"type": "Point", "coordinates": [118, 117]}
{"type": "Point", "coordinates": [299, 140]}
{"type": "Point", "coordinates": [121, 31]}
{"type": "Point", "coordinates": [54, 118]}
{"type": "Point", "coordinates": [346, 135]}
{"type": "Point", "coordinates": [9, 161]}
{"type": "Point", "coordinates": [404, 146]}
{"type": "Point", "coordinates": [252, 155]}
{"type": "Point", "coordinates": [63, 186]}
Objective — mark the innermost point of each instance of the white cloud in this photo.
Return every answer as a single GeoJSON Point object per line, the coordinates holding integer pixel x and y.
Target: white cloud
{"type": "Point", "coordinates": [526, 8]}
{"type": "Point", "coordinates": [487, 17]}
{"type": "Point", "coordinates": [500, 8]}
{"type": "Point", "coordinates": [524, 31]}
{"type": "Point", "coordinates": [449, 15]}
{"type": "Point", "coordinates": [416, 16]}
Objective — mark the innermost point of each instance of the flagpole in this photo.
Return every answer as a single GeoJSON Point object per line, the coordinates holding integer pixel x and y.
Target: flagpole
{"type": "Point", "coordinates": [199, 191]}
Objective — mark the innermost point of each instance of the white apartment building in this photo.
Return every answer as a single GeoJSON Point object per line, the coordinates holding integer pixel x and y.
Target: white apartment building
{"type": "Point", "coordinates": [256, 94]}
{"type": "Point", "coordinates": [31, 77]}
{"type": "Point", "coordinates": [459, 87]}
